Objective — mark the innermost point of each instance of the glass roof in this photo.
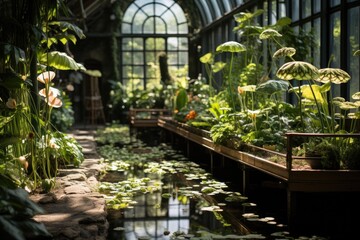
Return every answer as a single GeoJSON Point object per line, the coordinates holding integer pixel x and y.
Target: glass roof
{"type": "Point", "coordinates": [213, 9]}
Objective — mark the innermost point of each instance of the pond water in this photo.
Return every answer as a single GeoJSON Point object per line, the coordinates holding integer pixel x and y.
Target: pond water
{"type": "Point", "coordinates": [155, 192]}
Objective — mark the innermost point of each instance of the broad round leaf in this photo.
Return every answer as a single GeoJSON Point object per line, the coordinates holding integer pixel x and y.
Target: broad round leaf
{"type": "Point", "coordinates": [334, 75]}
{"type": "Point", "coordinates": [284, 52]}
{"type": "Point", "coordinates": [269, 33]}
{"type": "Point", "coordinates": [231, 46]}
{"type": "Point", "coordinates": [348, 105]}
{"type": "Point", "coordinates": [297, 70]}
{"type": "Point", "coordinates": [356, 96]}
{"type": "Point", "coordinates": [207, 58]}
{"type": "Point", "coordinates": [312, 92]}
{"type": "Point", "coordinates": [272, 86]}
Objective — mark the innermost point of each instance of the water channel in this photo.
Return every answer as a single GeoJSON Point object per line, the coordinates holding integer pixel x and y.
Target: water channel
{"type": "Point", "coordinates": [155, 192]}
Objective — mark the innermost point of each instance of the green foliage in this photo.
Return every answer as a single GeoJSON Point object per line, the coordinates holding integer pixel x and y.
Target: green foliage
{"type": "Point", "coordinates": [181, 99]}
{"type": "Point", "coordinates": [67, 150]}
{"type": "Point", "coordinates": [62, 119]}
{"type": "Point", "coordinates": [16, 212]}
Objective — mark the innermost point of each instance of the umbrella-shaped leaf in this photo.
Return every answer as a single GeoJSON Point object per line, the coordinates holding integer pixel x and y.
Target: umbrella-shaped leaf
{"type": "Point", "coordinates": [207, 58]}
{"type": "Point", "coordinates": [357, 53]}
{"type": "Point", "coordinates": [218, 66]}
{"type": "Point", "coordinates": [357, 103]}
{"type": "Point", "coordinates": [61, 61]}
{"type": "Point", "coordinates": [348, 105]}
{"type": "Point", "coordinates": [269, 33]}
{"type": "Point", "coordinates": [231, 46]}
{"type": "Point", "coordinates": [356, 96]}
{"type": "Point", "coordinates": [338, 99]}
{"type": "Point", "coordinates": [314, 94]}
{"type": "Point", "coordinates": [334, 75]}
{"type": "Point", "coordinates": [297, 70]}
{"type": "Point", "coordinates": [272, 86]}
{"type": "Point", "coordinates": [284, 52]}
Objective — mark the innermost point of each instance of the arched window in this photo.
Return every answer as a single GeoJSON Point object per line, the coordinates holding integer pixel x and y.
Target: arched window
{"type": "Point", "coordinates": [150, 27]}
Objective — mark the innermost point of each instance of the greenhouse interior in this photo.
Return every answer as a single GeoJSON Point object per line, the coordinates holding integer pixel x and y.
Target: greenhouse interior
{"type": "Point", "coordinates": [179, 119]}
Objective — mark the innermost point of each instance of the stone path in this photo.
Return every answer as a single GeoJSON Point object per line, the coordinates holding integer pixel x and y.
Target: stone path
{"type": "Point", "coordinates": [74, 209]}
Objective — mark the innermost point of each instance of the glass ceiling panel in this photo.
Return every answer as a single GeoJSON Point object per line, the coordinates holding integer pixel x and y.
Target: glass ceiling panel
{"type": "Point", "coordinates": [154, 16]}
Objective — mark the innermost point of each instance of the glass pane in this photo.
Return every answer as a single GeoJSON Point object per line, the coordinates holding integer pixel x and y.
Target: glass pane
{"type": "Point", "coordinates": [334, 3]}
{"type": "Point", "coordinates": [130, 12]}
{"type": "Point", "coordinates": [295, 10]}
{"type": "Point", "coordinates": [150, 43]}
{"type": "Point", "coordinates": [138, 58]}
{"type": "Point", "coordinates": [149, 25]}
{"type": "Point", "coordinates": [335, 45]}
{"type": "Point", "coordinates": [126, 71]}
{"type": "Point", "coordinates": [173, 43]}
{"type": "Point", "coordinates": [172, 58]}
{"type": "Point", "coordinates": [160, 44]}
{"type": "Point", "coordinates": [282, 9]}
{"type": "Point", "coordinates": [137, 44]}
{"type": "Point", "coordinates": [160, 25]}
{"type": "Point", "coordinates": [138, 22]}
{"type": "Point", "coordinates": [149, 9]}
{"type": "Point", "coordinates": [160, 9]}
{"type": "Point", "coordinates": [317, 6]}
{"type": "Point", "coordinates": [152, 71]}
{"type": "Point", "coordinates": [150, 57]}
{"type": "Point", "coordinates": [138, 72]}
{"type": "Point", "coordinates": [183, 58]}
{"type": "Point", "coordinates": [126, 58]}
{"type": "Point", "coordinates": [183, 44]}
{"type": "Point", "coordinates": [353, 45]}
{"type": "Point", "coordinates": [171, 22]}
{"type": "Point", "coordinates": [126, 44]}
{"type": "Point", "coordinates": [317, 39]}
{"type": "Point", "coordinates": [183, 28]}
{"type": "Point", "coordinates": [126, 28]}
{"type": "Point", "coordinates": [306, 8]}
{"type": "Point", "coordinates": [179, 13]}
{"type": "Point", "coordinates": [273, 17]}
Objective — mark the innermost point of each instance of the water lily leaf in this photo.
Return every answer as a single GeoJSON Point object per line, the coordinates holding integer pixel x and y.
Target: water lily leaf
{"type": "Point", "coordinates": [314, 94]}
{"type": "Point", "coordinates": [231, 46]}
{"type": "Point", "coordinates": [272, 86]}
{"type": "Point", "coordinates": [297, 70]}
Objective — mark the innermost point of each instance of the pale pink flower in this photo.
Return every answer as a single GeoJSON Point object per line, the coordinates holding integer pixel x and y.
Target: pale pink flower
{"type": "Point", "coordinates": [53, 101]}
{"type": "Point", "coordinates": [54, 92]}
{"type": "Point", "coordinates": [46, 77]}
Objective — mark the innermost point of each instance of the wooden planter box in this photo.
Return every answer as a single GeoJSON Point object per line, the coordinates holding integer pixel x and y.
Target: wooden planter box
{"type": "Point", "coordinates": [143, 117]}
{"type": "Point", "coordinates": [297, 179]}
